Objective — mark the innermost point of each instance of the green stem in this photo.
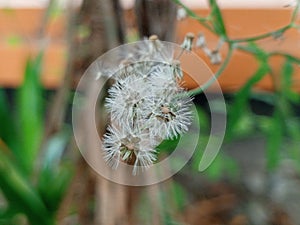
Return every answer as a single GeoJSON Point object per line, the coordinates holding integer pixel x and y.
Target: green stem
{"type": "Point", "coordinates": [262, 36]}
{"type": "Point", "coordinates": [295, 12]}
{"type": "Point", "coordinates": [20, 194]}
{"type": "Point", "coordinates": [216, 75]}
{"type": "Point", "coordinates": [270, 54]}
{"type": "Point", "coordinates": [286, 55]}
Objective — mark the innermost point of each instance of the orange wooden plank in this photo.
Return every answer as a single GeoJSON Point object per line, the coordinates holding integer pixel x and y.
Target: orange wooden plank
{"type": "Point", "coordinates": [240, 23]}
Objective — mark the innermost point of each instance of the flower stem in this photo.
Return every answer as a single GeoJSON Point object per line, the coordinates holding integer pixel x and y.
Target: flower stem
{"type": "Point", "coordinates": [262, 36]}
{"type": "Point", "coordinates": [295, 12]}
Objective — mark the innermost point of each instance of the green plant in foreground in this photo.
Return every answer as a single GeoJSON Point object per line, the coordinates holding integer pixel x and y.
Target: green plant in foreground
{"type": "Point", "coordinates": [32, 177]}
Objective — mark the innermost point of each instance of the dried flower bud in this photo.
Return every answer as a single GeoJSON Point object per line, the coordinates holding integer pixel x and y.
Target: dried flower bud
{"type": "Point", "coordinates": [153, 37]}
{"type": "Point", "coordinates": [181, 14]}
{"type": "Point", "coordinates": [177, 69]}
{"type": "Point", "coordinates": [215, 57]}
{"type": "Point", "coordinates": [155, 44]}
{"type": "Point", "coordinates": [188, 42]}
{"type": "Point", "coordinates": [201, 41]}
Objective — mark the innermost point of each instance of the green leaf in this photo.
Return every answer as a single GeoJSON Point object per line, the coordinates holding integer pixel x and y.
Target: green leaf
{"type": "Point", "coordinates": [287, 73]}
{"type": "Point", "coordinates": [293, 129]}
{"type": "Point", "coordinates": [54, 176]}
{"type": "Point", "coordinates": [20, 194]}
{"type": "Point", "coordinates": [11, 217]}
{"type": "Point", "coordinates": [254, 49]}
{"type": "Point", "coordinates": [223, 165]}
{"type": "Point", "coordinates": [204, 124]}
{"type": "Point", "coordinates": [6, 216]}
{"type": "Point", "coordinates": [54, 149]}
{"type": "Point", "coordinates": [204, 121]}
{"type": "Point", "coordinates": [202, 143]}
{"type": "Point", "coordinates": [179, 194]}
{"type": "Point", "coordinates": [245, 126]}
{"type": "Point", "coordinates": [168, 145]}
{"type": "Point", "coordinates": [215, 170]}
{"type": "Point", "coordinates": [293, 59]}
{"type": "Point", "coordinates": [287, 82]}
{"type": "Point", "coordinates": [239, 107]}
{"type": "Point", "coordinates": [217, 19]}
{"type": "Point", "coordinates": [30, 114]}
{"type": "Point", "coordinates": [53, 185]}
{"type": "Point", "coordinates": [274, 140]}
{"type": "Point", "coordinates": [7, 131]}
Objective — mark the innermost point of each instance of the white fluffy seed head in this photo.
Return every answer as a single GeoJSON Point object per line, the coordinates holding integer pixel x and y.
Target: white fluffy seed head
{"type": "Point", "coordinates": [124, 145]}
{"type": "Point", "coordinates": [146, 105]}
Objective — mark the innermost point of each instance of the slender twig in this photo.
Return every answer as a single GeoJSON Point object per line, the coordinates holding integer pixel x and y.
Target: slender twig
{"type": "Point", "coordinates": [270, 54]}
{"type": "Point", "coordinates": [262, 36]}
{"type": "Point", "coordinates": [286, 55]}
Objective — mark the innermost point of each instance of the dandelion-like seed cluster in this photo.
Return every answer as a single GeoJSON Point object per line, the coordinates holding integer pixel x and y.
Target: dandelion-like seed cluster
{"type": "Point", "coordinates": [146, 105]}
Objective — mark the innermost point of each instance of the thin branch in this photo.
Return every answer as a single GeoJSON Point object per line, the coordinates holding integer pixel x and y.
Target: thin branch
{"type": "Point", "coordinates": [286, 55]}
{"type": "Point", "coordinates": [262, 36]}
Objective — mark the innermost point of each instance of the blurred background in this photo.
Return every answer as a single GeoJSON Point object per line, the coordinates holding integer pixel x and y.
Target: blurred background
{"type": "Point", "coordinates": [46, 46]}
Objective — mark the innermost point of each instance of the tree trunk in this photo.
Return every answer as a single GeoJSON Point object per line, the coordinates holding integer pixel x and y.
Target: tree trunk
{"type": "Point", "coordinates": [156, 17]}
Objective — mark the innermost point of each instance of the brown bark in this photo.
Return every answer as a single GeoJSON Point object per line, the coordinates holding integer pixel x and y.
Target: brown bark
{"type": "Point", "coordinates": [156, 17]}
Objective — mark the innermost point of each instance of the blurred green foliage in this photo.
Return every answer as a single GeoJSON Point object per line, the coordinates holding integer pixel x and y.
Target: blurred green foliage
{"type": "Point", "coordinates": [33, 177]}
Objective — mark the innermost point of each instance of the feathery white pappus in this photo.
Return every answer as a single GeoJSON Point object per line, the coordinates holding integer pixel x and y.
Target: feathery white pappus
{"type": "Point", "coordinates": [146, 105]}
